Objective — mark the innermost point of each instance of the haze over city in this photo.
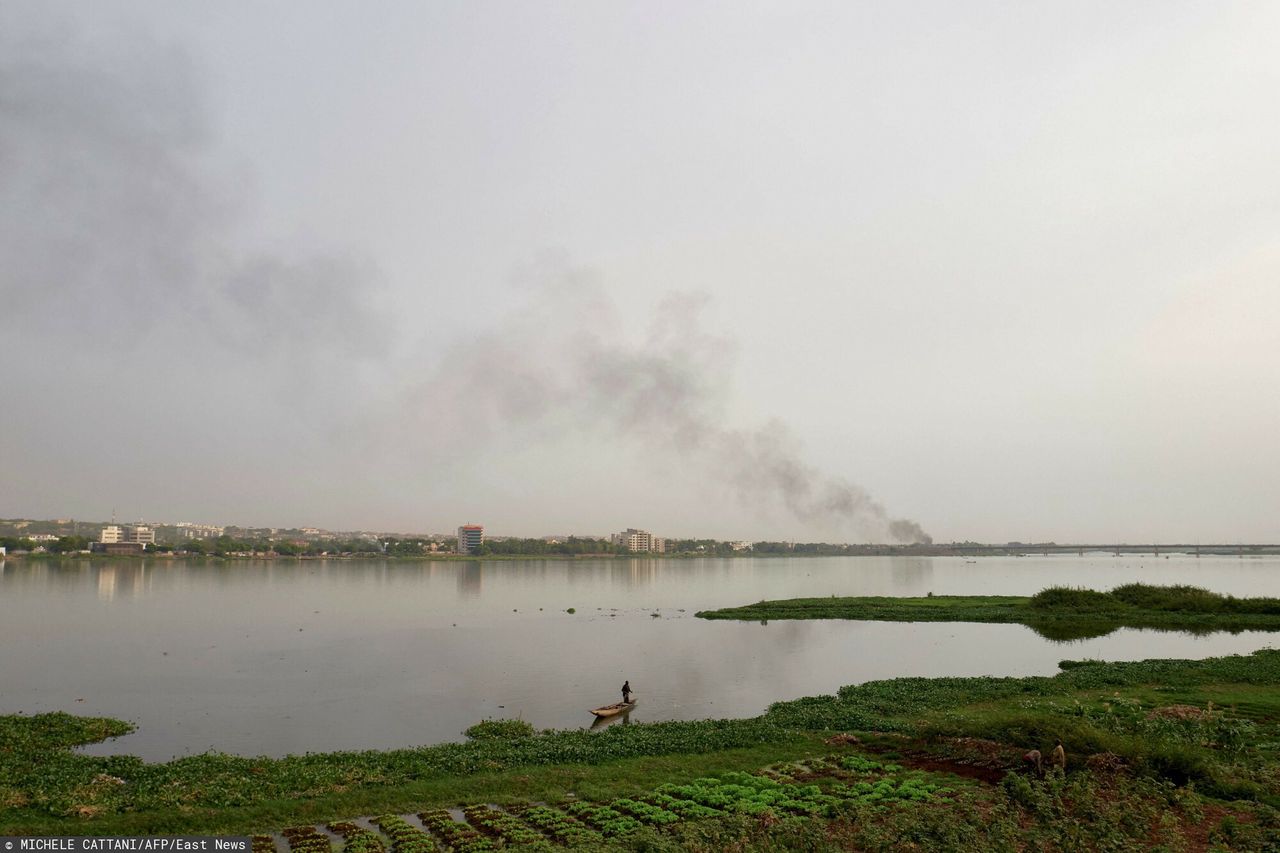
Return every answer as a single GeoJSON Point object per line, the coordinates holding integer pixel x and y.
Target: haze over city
{"type": "Point", "coordinates": [794, 271]}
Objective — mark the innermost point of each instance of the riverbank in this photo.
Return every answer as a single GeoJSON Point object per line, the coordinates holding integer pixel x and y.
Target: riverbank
{"type": "Point", "coordinates": [1056, 613]}
{"type": "Point", "coordinates": [926, 759]}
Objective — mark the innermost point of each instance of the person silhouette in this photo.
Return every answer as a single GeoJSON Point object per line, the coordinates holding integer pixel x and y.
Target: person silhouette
{"type": "Point", "coordinates": [626, 692]}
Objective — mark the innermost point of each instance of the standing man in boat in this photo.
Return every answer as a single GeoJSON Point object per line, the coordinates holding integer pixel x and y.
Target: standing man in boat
{"type": "Point", "coordinates": [626, 692]}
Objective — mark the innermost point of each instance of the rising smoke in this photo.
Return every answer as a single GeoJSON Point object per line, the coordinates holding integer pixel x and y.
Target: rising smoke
{"type": "Point", "coordinates": [116, 228]}
{"type": "Point", "coordinates": [564, 361]}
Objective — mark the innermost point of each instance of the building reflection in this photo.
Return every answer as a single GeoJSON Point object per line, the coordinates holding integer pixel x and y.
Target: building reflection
{"type": "Point", "coordinates": [107, 583]}
{"type": "Point", "coordinates": [639, 572]}
{"type": "Point", "coordinates": [470, 580]}
{"type": "Point", "coordinates": [122, 580]}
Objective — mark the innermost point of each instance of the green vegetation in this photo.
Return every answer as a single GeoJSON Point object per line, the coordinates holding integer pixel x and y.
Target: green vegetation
{"type": "Point", "coordinates": [43, 785]}
{"type": "Point", "coordinates": [499, 730]}
{"type": "Point", "coordinates": [62, 545]}
{"type": "Point", "coordinates": [1179, 754]}
{"type": "Point", "coordinates": [1058, 613]}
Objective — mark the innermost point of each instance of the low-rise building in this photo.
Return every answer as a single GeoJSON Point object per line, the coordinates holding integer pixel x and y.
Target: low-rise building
{"type": "Point", "coordinates": [118, 548]}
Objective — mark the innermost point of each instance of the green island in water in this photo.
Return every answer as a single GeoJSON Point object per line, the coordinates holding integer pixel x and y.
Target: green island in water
{"type": "Point", "coordinates": [1159, 754]}
{"type": "Point", "coordinates": [1057, 613]}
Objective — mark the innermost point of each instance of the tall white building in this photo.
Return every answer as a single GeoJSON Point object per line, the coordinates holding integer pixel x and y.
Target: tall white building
{"type": "Point", "coordinates": [111, 534]}
{"type": "Point", "coordinates": [639, 540]}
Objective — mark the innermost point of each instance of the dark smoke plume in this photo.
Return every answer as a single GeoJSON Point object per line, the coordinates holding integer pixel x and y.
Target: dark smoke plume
{"type": "Point", "coordinates": [565, 362]}
{"type": "Point", "coordinates": [118, 228]}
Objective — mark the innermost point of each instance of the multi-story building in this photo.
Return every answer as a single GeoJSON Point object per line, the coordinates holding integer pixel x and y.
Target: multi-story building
{"type": "Point", "coordinates": [139, 534]}
{"type": "Point", "coordinates": [470, 537]}
{"type": "Point", "coordinates": [111, 534]}
{"type": "Point", "coordinates": [191, 530]}
{"type": "Point", "coordinates": [639, 540]}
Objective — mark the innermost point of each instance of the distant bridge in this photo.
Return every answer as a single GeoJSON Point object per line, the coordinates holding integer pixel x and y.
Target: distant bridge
{"type": "Point", "coordinates": [1023, 549]}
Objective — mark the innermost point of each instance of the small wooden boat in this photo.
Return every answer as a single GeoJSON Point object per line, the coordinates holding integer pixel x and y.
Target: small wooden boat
{"type": "Point", "coordinates": [615, 708]}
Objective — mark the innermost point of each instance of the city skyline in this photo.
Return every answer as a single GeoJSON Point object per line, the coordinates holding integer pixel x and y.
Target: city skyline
{"type": "Point", "coordinates": [15, 527]}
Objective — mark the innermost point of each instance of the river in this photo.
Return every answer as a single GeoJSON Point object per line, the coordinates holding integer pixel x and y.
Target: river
{"type": "Point", "coordinates": [282, 656]}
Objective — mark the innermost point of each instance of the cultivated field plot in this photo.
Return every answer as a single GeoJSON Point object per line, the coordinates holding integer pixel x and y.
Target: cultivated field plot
{"type": "Point", "coordinates": [813, 788]}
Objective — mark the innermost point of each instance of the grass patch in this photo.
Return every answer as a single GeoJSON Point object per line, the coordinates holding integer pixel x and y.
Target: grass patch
{"type": "Point", "coordinates": [1057, 613]}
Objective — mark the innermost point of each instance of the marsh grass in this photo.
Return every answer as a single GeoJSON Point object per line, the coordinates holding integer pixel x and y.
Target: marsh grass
{"type": "Point", "coordinates": [1056, 613]}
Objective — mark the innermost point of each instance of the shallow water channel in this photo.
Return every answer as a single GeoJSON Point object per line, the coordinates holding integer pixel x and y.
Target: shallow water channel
{"type": "Point", "coordinates": [278, 657]}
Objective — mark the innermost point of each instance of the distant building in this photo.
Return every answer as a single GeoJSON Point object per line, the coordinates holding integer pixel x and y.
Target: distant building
{"type": "Point", "coordinates": [111, 534]}
{"type": "Point", "coordinates": [470, 537]}
{"type": "Point", "coordinates": [117, 548]}
{"type": "Point", "coordinates": [190, 530]}
{"type": "Point", "coordinates": [139, 534]}
{"type": "Point", "coordinates": [639, 541]}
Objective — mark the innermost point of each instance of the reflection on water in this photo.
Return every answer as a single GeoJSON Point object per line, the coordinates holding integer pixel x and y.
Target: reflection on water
{"type": "Point", "coordinates": [289, 656]}
{"type": "Point", "coordinates": [1065, 632]}
{"type": "Point", "coordinates": [470, 580]}
{"type": "Point", "coordinates": [124, 578]}
{"type": "Point", "coordinates": [623, 719]}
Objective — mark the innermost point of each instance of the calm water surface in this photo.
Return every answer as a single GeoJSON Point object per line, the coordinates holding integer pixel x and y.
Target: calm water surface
{"type": "Point", "coordinates": [278, 657]}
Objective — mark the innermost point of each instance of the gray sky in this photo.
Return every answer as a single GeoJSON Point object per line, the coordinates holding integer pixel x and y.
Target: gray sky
{"type": "Point", "coordinates": [791, 270]}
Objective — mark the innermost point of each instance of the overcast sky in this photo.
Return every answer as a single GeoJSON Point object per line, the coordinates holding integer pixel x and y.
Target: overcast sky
{"type": "Point", "coordinates": [744, 270]}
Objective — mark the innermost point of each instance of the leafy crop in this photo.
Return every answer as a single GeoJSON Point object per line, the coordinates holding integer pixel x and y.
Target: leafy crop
{"type": "Point", "coordinates": [688, 809]}
{"type": "Point", "coordinates": [913, 788]}
{"type": "Point", "coordinates": [745, 793]}
{"type": "Point", "coordinates": [649, 813]}
{"type": "Point", "coordinates": [458, 836]}
{"type": "Point", "coordinates": [506, 828]}
{"type": "Point", "coordinates": [610, 822]}
{"type": "Point", "coordinates": [305, 839]}
{"type": "Point", "coordinates": [404, 837]}
{"type": "Point", "coordinates": [560, 826]}
{"type": "Point", "coordinates": [358, 839]}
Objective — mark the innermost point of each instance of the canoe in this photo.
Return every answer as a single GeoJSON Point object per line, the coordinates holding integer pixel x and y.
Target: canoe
{"type": "Point", "coordinates": [615, 708]}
